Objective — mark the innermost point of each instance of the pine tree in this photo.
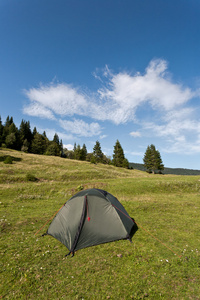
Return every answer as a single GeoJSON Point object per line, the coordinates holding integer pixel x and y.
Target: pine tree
{"type": "Point", "coordinates": [77, 153]}
{"type": "Point", "coordinates": [152, 160]}
{"type": "Point", "coordinates": [9, 121]}
{"type": "Point", "coordinates": [25, 135]}
{"type": "Point", "coordinates": [56, 139]}
{"type": "Point", "coordinates": [53, 149]}
{"type": "Point", "coordinates": [38, 145]}
{"type": "Point", "coordinates": [84, 152]}
{"type": "Point", "coordinates": [119, 159]}
{"type": "Point", "coordinates": [34, 131]}
{"type": "Point", "coordinates": [97, 153]}
{"type": "Point", "coordinates": [12, 137]}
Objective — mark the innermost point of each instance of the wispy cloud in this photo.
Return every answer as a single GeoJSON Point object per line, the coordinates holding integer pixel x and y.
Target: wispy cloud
{"type": "Point", "coordinates": [60, 99]}
{"type": "Point", "coordinates": [125, 93]}
{"type": "Point", "coordinates": [81, 128]}
{"type": "Point", "coordinates": [135, 134]}
{"type": "Point", "coordinates": [51, 132]}
{"type": "Point", "coordinates": [180, 129]}
{"type": "Point", "coordinates": [122, 98]}
{"type": "Point", "coordinates": [38, 110]}
{"type": "Point", "coordinates": [117, 100]}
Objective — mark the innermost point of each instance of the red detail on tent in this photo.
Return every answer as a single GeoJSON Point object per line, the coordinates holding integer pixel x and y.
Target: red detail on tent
{"type": "Point", "coordinates": [87, 212]}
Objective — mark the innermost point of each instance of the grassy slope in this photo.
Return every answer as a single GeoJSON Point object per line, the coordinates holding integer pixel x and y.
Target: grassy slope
{"type": "Point", "coordinates": [34, 267]}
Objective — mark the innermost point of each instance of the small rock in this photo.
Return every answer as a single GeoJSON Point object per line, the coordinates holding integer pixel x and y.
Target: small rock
{"type": "Point", "coordinates": [119, 255]}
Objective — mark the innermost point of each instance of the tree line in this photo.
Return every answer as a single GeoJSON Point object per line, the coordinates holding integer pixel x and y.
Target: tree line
{"type": "Point", "coordinates": [26, 140]}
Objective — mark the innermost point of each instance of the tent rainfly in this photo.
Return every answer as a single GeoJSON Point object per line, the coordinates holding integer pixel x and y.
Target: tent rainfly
{"type": "Point", "coordinates": [89, 218]}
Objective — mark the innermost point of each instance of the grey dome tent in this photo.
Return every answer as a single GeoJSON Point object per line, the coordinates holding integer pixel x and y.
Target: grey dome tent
{"type": "Point", "coordinates": [89, 218]}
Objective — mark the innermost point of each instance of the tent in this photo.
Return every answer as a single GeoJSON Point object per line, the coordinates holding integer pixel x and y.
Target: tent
{"type": "Point", "coordinates": [89, 218]}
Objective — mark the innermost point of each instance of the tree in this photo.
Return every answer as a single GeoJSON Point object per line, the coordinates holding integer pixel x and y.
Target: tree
{"type": "Point", "coordinates": [74, 149]}
{"type": "Point", "coordinates": [25, 146]}
{"type": "Point", "coordinates": [12, 137]}
{"type": "Point", "coordinates": [11, 140]}
{"type": "Point", "coordinates": [119, 159]}
{"type": "Point", "coordinates": [34, 131]}
{"type": "Point", "coordinates": [84, 152]}
{"type": "Point", "coordinates": [152, 160]}
{"type": "Point", "coordinates": [9, 121]}
{"type": "Point", "coordinates": [38, 145]}
{"type": "Point", "coordinates": [53, 149]}
{"type": "Point", "coordinates": [25, 135]}
{"type": "Point", "coordinates": [97, 153]}
{"type": "Point", "coordinates": [56, 139]}
{"type": "Point", "coordinates": [68, 153]}
{"type": "Point", "coordinates": [77, 153]}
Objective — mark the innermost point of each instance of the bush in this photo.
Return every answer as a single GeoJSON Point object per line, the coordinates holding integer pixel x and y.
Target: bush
{"type": "Point", "coordinates": [31, 177]}
{"type": "Point", "coordinates": [8, 160]}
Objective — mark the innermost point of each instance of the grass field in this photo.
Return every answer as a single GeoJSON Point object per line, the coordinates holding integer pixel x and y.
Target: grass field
{"type": "Point", "coordinates": [163, 262]}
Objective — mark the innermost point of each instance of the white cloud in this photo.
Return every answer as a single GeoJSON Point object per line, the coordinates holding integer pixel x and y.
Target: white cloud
{"type": "Point", "coordinates": [69, 146]}
{"type": "Point", "coordinates": [123, 98]}
{"type": "Point", "coordinates": [103, 136]}
{"type": "Point", "coordinates": [125, 93]}
{"type": "Point", "coordinates": [51, 132]}
{"type": "Point", "coordinates": [61, 99]}
{"type": "Point", "coordinates": [135, 134]}
{"type": "Point", "coordinates": [38, 110]}
{"type": "Point", "coordinates": [81, 128]}
{"type": "Point", "coordinates": [118, 99]}
{"type": "Point", "coordinates": [179, 129]}
{"type": "Point", "coordinates": [176, 124]}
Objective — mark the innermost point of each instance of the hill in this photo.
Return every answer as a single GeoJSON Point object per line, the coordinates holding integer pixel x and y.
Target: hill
{"type": "Point", "coordinates": [173, 171]}
{"type": "Point", "coordinates": [166, 208]}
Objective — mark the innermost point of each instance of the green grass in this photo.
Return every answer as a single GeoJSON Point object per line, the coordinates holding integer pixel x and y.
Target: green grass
{"type": "Point", "coordinates": [166, 209]}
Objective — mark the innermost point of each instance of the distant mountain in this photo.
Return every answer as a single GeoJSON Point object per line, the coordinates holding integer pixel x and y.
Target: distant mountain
{"type": "Point", "coordinates": [175, 171]}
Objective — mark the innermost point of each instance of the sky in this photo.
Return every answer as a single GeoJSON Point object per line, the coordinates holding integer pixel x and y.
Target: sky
{"type": "Point", "coordinates": [105, 70]}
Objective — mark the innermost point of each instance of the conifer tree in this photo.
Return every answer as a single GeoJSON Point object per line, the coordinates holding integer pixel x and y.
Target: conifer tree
{"type": "Point", "coordinates": [119, 159]}
{"type": "Point", "coordinates": [25, 135]}
{"type": "Point", "coordinates": [152, 160]}
{"type": "Point", "coordinates": [9, 121]}
{"type": "Point", "coordinates": [12, 137]}
{"type": "Point", "coordinates": [56, 139]}
{"type": "Point", "coordinates": [97, 152]}
{"type": "Point", "coordinates": [38, 145]}
{"type": "Point", "coordinates": [77, 153]}
{"type": "Point", "coordinates": [34, 131]}
{"type": "Point", "coordinates": [84, 152]}
{"type": "Point", "coordinates": [53, 149]}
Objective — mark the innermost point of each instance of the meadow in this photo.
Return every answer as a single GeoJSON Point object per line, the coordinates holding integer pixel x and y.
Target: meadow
{"type": "Point", "coordinates": [163, 262]}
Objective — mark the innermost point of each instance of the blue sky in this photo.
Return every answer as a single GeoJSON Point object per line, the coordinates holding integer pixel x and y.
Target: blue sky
{"type": "Point", "coordinates": [105, 70]}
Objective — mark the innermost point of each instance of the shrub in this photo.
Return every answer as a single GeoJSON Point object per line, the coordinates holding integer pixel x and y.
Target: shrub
{"type": "Point", "coordinates": [31, 177]}
{"type": "Point", "coordinates": [8, 160]}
